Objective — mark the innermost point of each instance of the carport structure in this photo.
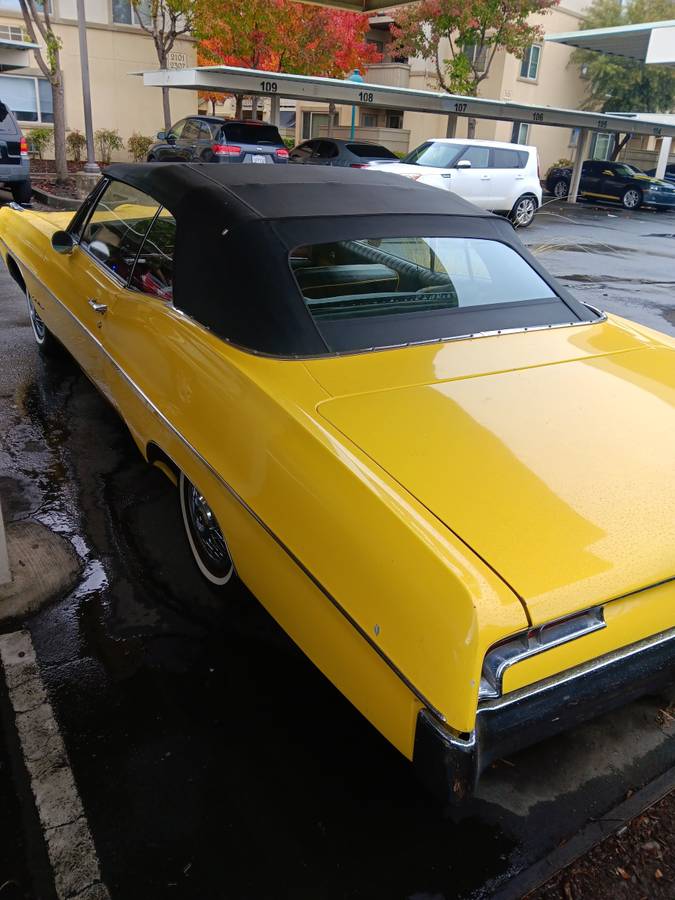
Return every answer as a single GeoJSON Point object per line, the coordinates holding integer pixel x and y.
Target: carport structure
{"type": "Point", "coordinates": [234, 80]}
{"type": "Point", "coordinates": [651, 43]}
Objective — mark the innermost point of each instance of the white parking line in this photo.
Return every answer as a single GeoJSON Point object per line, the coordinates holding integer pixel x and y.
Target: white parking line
{"type": "Point", "coordinates": [5, 574]}
{"type": "Point", "coordinates": [77, 874]}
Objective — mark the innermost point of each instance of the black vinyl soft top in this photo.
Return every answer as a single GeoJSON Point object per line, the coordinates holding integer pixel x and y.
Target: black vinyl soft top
{"type": "Point", "coordinates": [293, 192]}
{"type": "Point", "coordinates": [236, 226]}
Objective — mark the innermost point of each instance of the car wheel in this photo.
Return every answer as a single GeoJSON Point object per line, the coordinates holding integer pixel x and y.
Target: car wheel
{"type": "Point", "coordinates": [47, 343]}
{"type": "Point", "coordinates": [632, 198]}
{"type": "Point", "coordinates": [560, 189]}
{"type": "Point", "coordinates": [523, 211]}
{"type": "Point", "coordinates": [21, 191]}
{"type": "Point", "coordinates": [205, 538]}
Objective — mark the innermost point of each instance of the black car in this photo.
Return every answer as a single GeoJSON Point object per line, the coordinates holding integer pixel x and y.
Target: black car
{"type": "Point", "coordinates": [335, 152]}
{"type": "Point", "coordinates": [14, 162]}
{"type": "Point", "coordinates": [669, 174]}
{"type": "Point", "coordinates": [617, 182]}
{"type": "Point", "coordinates": [212, 139]}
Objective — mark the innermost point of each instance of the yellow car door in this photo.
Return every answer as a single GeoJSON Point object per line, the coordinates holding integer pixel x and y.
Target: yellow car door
{"type": "Point", "coordinates": [98, 269]}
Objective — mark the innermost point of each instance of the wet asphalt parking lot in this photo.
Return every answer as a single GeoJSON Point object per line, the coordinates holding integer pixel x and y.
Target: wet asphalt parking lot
{"type": "Point", "coordinates": [212, 759]}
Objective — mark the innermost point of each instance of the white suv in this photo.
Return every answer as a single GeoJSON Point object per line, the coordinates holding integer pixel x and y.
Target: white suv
{"type": "Point", "coordinates": [500, 177]}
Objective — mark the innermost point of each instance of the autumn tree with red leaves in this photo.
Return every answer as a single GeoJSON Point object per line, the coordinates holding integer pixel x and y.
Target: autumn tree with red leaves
{"type": "Point", "coordinates": [283, 36]}
{"type": "Point", "coordinates": [462, 37]}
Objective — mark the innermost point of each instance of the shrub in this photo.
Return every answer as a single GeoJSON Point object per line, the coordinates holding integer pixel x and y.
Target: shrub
{"type": "Point", "coordinates": [76, 143]}
{"type": "Point", "coordinates": [107, 140]}
{"type": "Point", "coordinates": [138, 145]}
{"type": "Point", "coordinates": [559, 164]}
{"type": "Point", "coordinates": [290, 143]}
{"type": "Point", "coordinates": [39, 139]}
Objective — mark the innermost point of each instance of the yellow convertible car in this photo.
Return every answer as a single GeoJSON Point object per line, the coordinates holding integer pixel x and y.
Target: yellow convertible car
{"type": "Point", "coordinates": [450, 482]}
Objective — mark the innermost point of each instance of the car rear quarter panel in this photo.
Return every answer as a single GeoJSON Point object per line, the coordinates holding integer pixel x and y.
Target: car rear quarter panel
{"type": "Point", "coordinates": [313, 525]}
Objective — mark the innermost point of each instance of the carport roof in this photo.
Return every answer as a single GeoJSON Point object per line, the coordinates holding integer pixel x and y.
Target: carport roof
{"type": "Point", "coordinates": [648, 42]}
{"type": "Point", "coordinates": [231, 79]}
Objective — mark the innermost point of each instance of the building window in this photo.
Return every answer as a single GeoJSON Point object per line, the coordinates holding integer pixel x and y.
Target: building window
{"type": "Point", "coordinates": [124, 13]}
{"type": "Point", "coordinates": [314, 122]}
{"type": "Point", "coordinates": [477, 56]}
{"type": "Point", "coordinates": [529, 66]}
{"type": "Point", "coordinates": [520, 133]}
{"type": "Point", "coordinates": [30, 99]}
{"type": "Point", "coordinates": [379, 45]}
{"type": "Point", "coordinates": [368, 120]}
{"type": "Point", "coordinates": [602, 145]}
{"type": "Point", "coordinates": [394, 118]}
{"type": "Point", "coordinates": [15, 6]}
{"type": "Point", "coordinates": [12, 33]}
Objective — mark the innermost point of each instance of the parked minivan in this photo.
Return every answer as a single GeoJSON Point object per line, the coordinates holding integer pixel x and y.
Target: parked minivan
{"type": "Point", "coordinates": [212, 139]}
{"type": "Point", "coordinates": [14, 162]}
{"type": "Point", "coordinates": [503, 178]}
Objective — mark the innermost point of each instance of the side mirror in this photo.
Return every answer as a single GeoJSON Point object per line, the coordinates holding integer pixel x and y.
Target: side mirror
{"type": "Point", "coordinates": [62, 242]}
{"type": "Point", "coordinates": [100, 250]}
{"type": "Point", "coordinates": [161, 135]}
{"type": "Point", "coordinates": [463, 164]}
{"type": "Point", "coordinates": [171, 138]}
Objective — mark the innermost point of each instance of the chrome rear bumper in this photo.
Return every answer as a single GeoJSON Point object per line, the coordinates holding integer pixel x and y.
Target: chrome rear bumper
{"type": "Point", "coordinates": [451, 764]}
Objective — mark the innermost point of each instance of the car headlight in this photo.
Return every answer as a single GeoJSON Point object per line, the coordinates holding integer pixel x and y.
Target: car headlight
{"type": "Point", "coordinates": [531, 642]}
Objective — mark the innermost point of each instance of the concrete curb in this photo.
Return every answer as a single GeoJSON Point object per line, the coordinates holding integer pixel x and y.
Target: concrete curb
{"type": "Point", "coordinates": [43, 565]}
{"type": "Point", "coordinates": [55, 201]}
{"type": "Point", "coordinates": [526, 882]}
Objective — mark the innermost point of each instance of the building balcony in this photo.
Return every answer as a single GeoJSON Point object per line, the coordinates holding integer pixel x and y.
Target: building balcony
{"type": "Point", "coordinates": [391, 74]}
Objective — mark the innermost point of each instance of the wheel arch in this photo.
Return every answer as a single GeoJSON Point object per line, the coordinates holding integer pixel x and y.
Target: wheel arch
{"type": "Point", "coordinates": [159, 458]}
{"type": "Point", "coordinates": [15, 272]}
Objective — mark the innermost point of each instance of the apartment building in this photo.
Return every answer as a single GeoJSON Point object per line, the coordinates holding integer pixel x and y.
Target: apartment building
{"type": "Point", "coordinates": [542, 77]}
{"type": "Point", "coordinates": [117, 47]}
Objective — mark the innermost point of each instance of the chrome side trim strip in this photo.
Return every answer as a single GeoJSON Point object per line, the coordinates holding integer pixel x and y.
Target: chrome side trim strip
{"type": "Point", "coordinates": [233, 493]}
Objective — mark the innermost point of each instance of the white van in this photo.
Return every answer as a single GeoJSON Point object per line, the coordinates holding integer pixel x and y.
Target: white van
{"type": "Point", "coordinates": [500, 177]}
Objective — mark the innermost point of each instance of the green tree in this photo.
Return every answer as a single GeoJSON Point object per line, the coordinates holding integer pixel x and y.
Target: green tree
{"type": "Point", "coordinates": [38, 24]}
{"type": "Point", "coordinates": [616, 84]}
{"type": "Point", "coordinates": [462, 38]}
{"type": "Point", "coordinates": [165, 21]}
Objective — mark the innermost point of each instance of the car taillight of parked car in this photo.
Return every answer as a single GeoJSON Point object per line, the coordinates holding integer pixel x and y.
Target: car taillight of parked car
{"type": "Point", "coordinates": [282, 152]}
{"type": "Point", "coordinates": [225, 149]}
{"type": "Point", "coordinates": [24, 147]}
{"type": "Point", "coordinates": [358, 165]}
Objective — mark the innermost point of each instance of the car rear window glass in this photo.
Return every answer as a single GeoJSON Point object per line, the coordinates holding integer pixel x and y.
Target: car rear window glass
{"type": "Point", "coordinates": [243, 133]}
{"type": "Point", "coordinates": [371, 151]}
{"type": "Point", "coordinates": [509, 159]}
{"type": "Point", "coordinates": [421, 281]}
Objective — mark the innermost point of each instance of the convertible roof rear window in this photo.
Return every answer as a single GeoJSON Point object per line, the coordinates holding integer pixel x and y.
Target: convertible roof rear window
{"type": "Point", "coordinates": [378, 292]}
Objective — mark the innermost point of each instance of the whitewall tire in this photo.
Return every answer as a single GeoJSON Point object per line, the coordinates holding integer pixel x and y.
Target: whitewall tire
{"type": "Point", "coordinates": [207, 542]}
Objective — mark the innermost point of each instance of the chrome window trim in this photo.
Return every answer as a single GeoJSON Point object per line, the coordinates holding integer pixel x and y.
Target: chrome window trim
{"type": "Point", "coordinates": [239, 499]}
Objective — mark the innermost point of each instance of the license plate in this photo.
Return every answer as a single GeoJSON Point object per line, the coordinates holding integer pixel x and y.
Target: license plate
{"type": "Point", "coordinates": [258, 158]}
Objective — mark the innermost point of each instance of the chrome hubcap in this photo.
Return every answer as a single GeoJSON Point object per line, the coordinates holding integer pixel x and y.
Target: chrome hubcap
{"type": "Point", "coordinates": [525, 211]}
{"type": "Point", "coordinates": [206, 529]}
{"type": "Point", "coordinates": [631, 199]}
{"type": "Point", "coordinates": [38, 325]}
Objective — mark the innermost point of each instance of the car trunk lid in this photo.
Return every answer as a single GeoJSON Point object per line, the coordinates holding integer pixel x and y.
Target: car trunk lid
{"type": "Point", "coordinates": [560, 476]}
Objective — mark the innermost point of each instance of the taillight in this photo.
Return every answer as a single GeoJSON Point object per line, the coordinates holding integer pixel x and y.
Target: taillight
{"type": "Point", "coordinates": [24, 146]}
{"type": "Point", "coordinates": [282, 152]}
{"type": "Point", "coordinates": [358, 165]}
{"type": "Point", "coordinates": [225, 149]}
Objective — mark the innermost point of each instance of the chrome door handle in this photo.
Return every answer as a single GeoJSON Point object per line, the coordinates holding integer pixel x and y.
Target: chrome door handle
{"type": "Point", "coordinates": [97, 307]}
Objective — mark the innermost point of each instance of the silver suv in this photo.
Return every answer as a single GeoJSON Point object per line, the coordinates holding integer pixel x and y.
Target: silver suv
{"type": "Point", "coordinates": [14, 163]}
